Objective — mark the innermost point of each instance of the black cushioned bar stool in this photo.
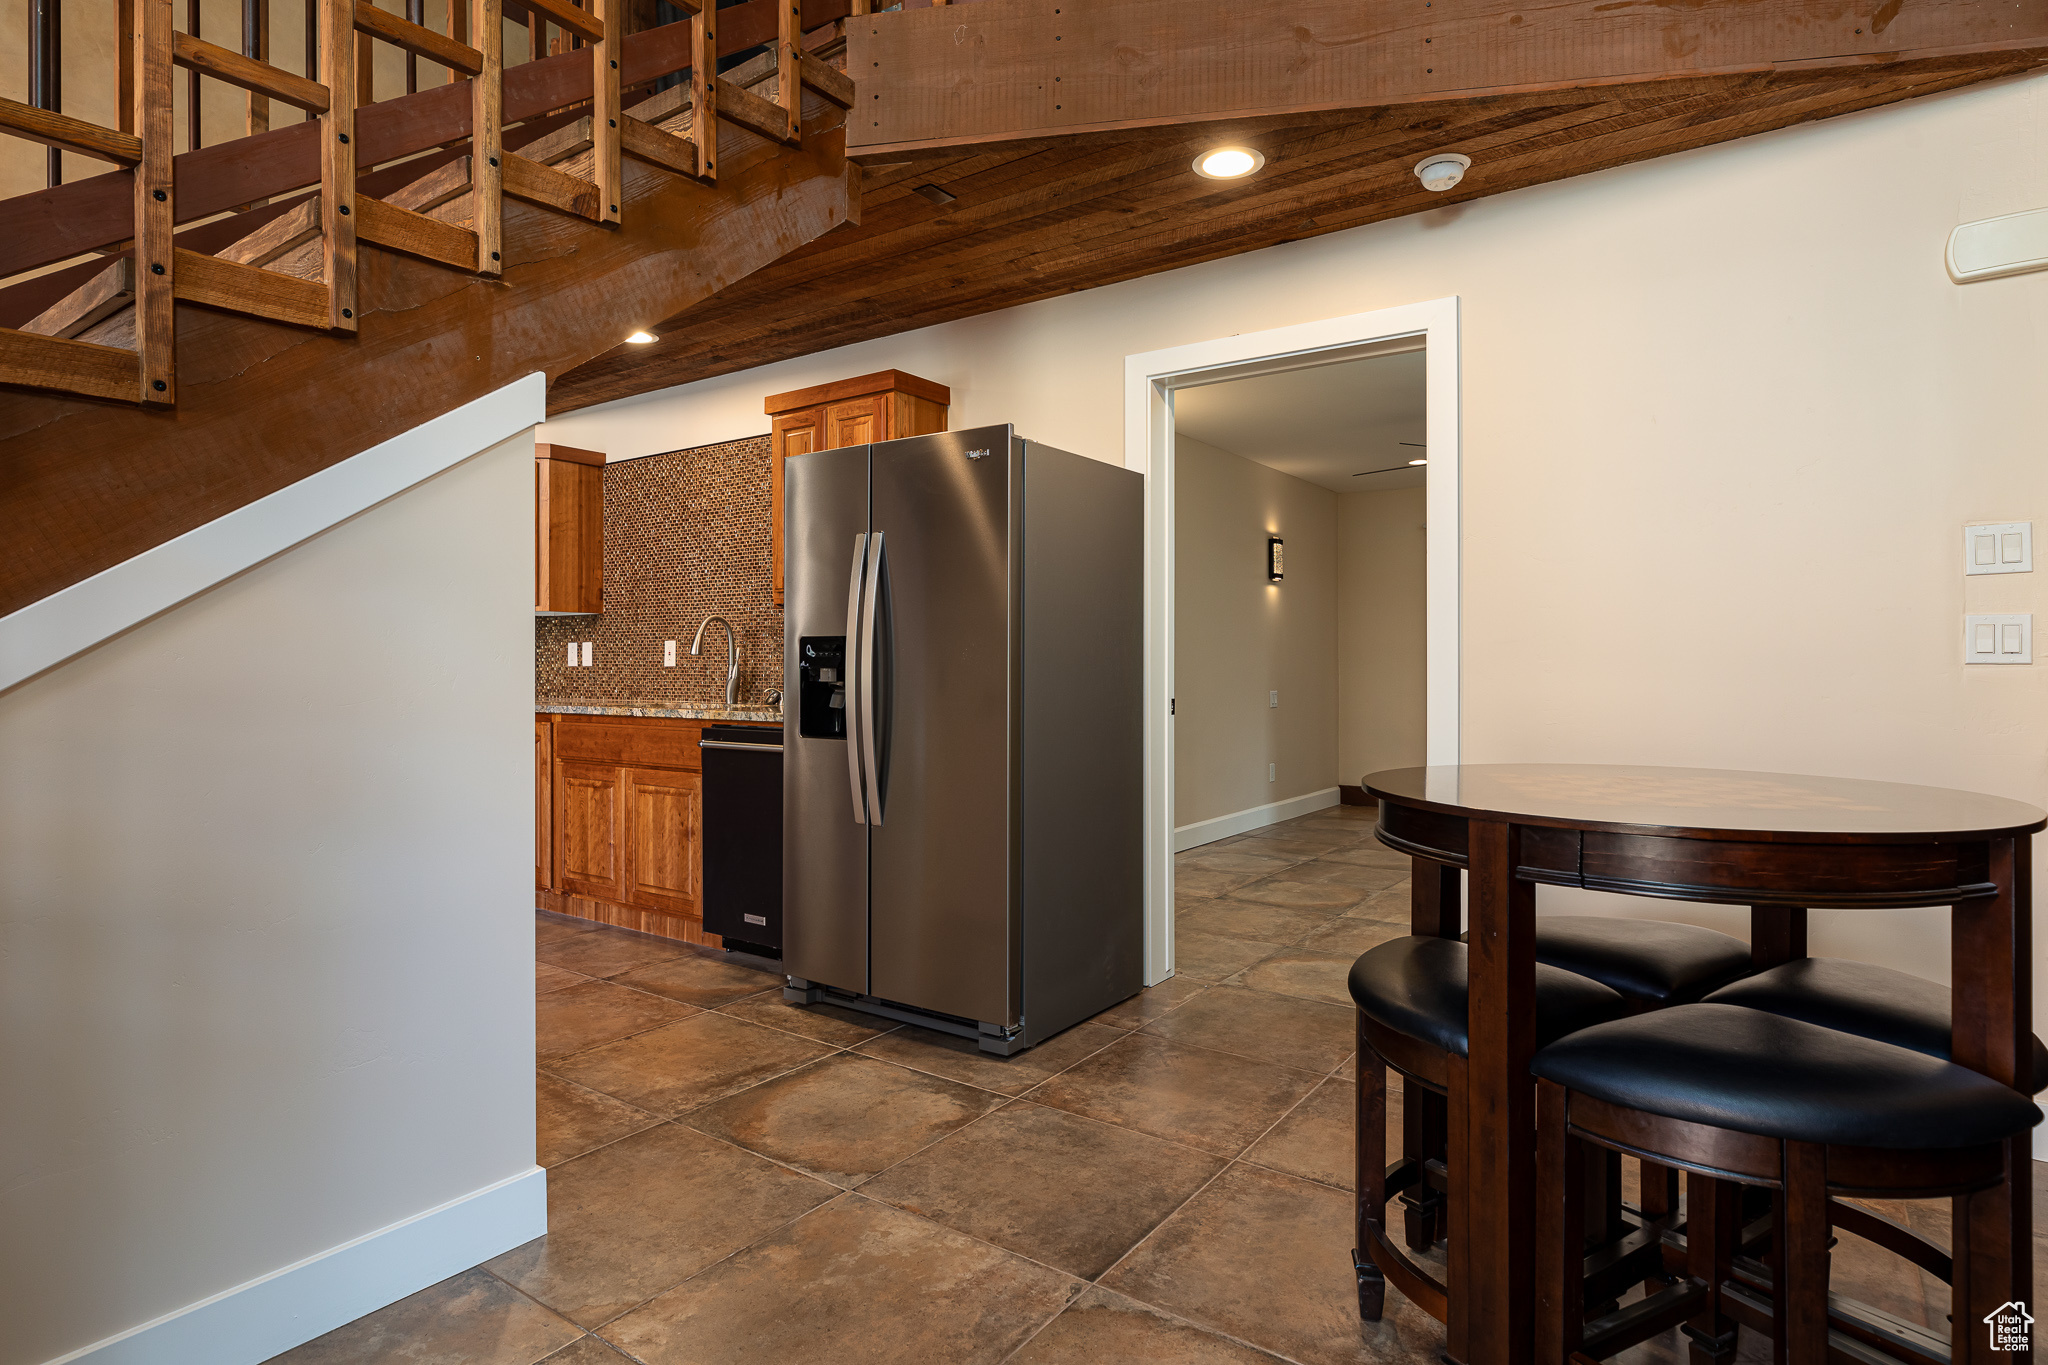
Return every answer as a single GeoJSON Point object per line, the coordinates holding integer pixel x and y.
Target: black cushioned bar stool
{"type": "Point", "coordinates": [1738, 1097]}
{"type": "Point", "coordinates": [1652, 964]}
{"type": "Point", "coordinates": [1856, 997]}
{"type": "Point", "coordinates": [1412, 996]}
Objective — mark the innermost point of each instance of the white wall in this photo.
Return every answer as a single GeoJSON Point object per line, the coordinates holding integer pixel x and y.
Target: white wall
{"type": "Point", "coordinates": [1723, 415]}
{"type": "Point", "coordinates": [265, 942]}
{"type": "Point", "coordinates": [1382, 702]}
{"type": "Point", "coordinates": [1238, 638]}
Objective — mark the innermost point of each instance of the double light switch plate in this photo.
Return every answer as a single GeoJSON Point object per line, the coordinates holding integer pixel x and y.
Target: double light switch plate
{"type": "Point", "coordinates": [2005, 639]}
{"type": "Point", "coordinates": [1999, 547]}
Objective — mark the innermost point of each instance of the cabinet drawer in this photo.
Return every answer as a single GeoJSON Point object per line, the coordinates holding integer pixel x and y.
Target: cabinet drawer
{"type": "Point", "coordinates": [630, 743]}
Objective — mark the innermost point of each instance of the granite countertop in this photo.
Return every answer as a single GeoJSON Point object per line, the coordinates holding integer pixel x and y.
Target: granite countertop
{"type": "Point", "coordinates": [663, 710]}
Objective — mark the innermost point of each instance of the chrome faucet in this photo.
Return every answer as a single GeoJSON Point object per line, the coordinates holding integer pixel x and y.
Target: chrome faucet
{"type": "Point", "coordinates": [732, 657]}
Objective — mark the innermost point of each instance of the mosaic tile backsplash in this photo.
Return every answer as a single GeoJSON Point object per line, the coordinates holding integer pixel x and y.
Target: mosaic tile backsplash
{"type": "Point", "coordinates": [685, 537]}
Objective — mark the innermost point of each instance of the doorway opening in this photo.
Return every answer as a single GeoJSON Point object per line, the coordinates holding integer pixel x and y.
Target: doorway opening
{"type": "Point", "coordinates": [1301, 602]}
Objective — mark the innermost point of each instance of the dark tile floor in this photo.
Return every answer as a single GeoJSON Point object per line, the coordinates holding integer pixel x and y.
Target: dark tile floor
{"type": "Point", "coordinates": [734, 1179]}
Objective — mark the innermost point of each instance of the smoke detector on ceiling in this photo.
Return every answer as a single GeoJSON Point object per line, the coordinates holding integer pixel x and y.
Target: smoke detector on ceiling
{"type": "Point", "coordinates": [1440, 171]}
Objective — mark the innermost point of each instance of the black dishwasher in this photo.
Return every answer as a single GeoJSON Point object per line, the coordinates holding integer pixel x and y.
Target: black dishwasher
{"type": "Point", "coordinates": [743, 836]}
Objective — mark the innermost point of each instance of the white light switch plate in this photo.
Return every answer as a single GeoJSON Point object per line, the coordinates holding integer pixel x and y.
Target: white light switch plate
{"type": "Point", "coordinates": [572, 654]}
{"type": "Point", "coordinates": [1998, 547]}
{"type": "Point", "coordinates": [1998, 639]}
{"type": "Point", "coordinates": [668, 653]}
{"type": "Point", "coordinates": [586, 653]}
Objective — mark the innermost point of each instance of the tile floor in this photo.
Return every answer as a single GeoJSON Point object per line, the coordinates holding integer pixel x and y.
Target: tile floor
{"type": "Point", "coordinates": [733, 1179]}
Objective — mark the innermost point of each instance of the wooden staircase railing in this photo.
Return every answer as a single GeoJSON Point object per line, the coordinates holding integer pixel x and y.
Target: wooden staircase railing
{"type": "Point", "coordinates": [46, 352]}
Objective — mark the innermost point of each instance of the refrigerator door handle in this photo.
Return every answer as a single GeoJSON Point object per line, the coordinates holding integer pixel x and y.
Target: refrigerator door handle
{"type": "Point", "coordinates": [869, 665]}
{"type": "Point", "coordinates": [852, 681]}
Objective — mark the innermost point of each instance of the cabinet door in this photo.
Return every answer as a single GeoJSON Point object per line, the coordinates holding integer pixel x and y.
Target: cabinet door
{"type": "Point", "coordinates": [543, 806]}
{"type": "Point", "coordinates": [794, 433]}
{"type": "Point", "coordinates": [590, 830]}
{"type": "Point", "coordinates": [568, 565]}
{"type": "Point", "coordinates": [857, 421]}
{"type": "Point", "coordinates": [665, 839]}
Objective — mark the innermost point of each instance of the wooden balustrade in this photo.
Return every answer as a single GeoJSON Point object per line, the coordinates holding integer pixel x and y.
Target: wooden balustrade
{"type": "Point", "coordinates": [47, 352]}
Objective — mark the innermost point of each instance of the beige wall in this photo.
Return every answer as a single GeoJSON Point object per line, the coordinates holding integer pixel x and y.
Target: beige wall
{"type": "Point", "coordinates": [1238, 637]}
{"type": "Point", "coordinates": [265, 956]}
{"type": "Point", "coordinates": [1381, 707]}
{"type": "Point", "coordinates": [1723, 415]}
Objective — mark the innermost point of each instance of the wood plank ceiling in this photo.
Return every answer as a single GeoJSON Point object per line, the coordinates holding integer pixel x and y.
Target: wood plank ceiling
{"type": "Point", "coordinates": [1035, 217]}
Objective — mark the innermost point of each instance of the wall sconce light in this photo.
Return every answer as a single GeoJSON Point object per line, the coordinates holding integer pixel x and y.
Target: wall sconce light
{"type": "Point", "coordinates": [1275, 564]}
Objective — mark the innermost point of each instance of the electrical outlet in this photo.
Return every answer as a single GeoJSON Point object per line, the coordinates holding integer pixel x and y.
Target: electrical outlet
{"type": "Point", "coordinates": [572, 654]}
{"type": "Point", "coordinates": [1272, 699]}
{"type": "Point", "coordinates": [668, 653]}
{"type": "Point", "coordinates": [586, 654]}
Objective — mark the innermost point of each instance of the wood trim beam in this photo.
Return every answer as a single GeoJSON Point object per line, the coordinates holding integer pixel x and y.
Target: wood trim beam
{"type": "Point", "coordinates": [53, 129]}
{"type": "Point", "coordinates": [104, 295]}
{"type": "Point", "coordinates": [657, 147]}
{"type": "Point", "coordinates": [704, 89]}
{"type": "Point", "coordinates": [224, 64]}
{"type": "Point", "coordinates": [80, 367]}
{"type": "Point", "coordinates": [420, 41]}
{"type": "Point", "coordinates": [152, 206]}
{"type": "Point", "coordinates": [249, 289]}
{"type": "Point", "coordinates": [400, 229]}
{"type": "Point", "coordinates": [998, 71]}
{"type": "Point", "coordinates": [544, 185]}
{"type": "Point", "coordinates": [579, 22]}
{"type": "Point", "coordinates": [737, 104]}
{"type": "Point", "coordinates": [826, 80]}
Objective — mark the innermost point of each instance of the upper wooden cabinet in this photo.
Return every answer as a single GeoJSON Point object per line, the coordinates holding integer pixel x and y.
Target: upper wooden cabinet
{"type": "Point", "coordinates": [568, 560]}
{"type": "Point", "coordinates": [852, 412]}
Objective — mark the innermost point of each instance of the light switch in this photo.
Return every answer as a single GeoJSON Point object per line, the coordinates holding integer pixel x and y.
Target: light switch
{"type": "Point", "coordinates": [1272, 772]}
{"type": "Point", "coordinates": [586, 653]}
{"type": "Point", "coordinates": [1999, 547]}
{"type": "Point", "coordinates": [572, 654]}
{"type": "Point", "coordinates": [1998, 639]}
{"type": "Point", "coordinates": [668, 653]}
{"type": "Point", "coordinates": [1272, 699]}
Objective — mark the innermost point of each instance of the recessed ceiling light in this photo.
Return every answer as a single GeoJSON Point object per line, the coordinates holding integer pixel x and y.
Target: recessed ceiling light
{"type": "Point", "coordinates": [1228, 163]}
{"type": "Point", "coordinates": [641, 338]}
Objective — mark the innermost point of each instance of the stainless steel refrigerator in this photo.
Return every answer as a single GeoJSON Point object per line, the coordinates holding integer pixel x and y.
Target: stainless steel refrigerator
{"type": "Point", "coordinates": [963, 787]}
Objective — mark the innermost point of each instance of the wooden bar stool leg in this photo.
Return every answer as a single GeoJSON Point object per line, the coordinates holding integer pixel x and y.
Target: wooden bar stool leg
{"type": "Point", "coordinates": [1561, 1170]}
{"type": "Point", "coordinates": [1369, 1178]}
{"type": "Point", "coordinates": [1422, 1131]}
{"type": "Point", "coordinates": [1985, 1256]}
{"type": "Point", "coordinates": [1712, 1212]}
{"type": "Point", "coordinates": [1801, 1282]}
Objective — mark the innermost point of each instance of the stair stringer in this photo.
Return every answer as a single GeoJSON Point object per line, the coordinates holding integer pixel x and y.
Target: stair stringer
{"type": "Point", "coordinates": [262, 405]}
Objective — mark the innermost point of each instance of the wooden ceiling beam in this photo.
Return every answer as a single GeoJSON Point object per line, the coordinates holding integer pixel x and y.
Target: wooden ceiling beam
{"type": "Point", "coordinates": [1041, 217]}
{"type": "Point", "coordinates": [957, 77]}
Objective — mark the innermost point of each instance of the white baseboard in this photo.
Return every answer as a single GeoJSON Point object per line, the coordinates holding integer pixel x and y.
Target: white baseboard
{"type": "Point", "coordinates": [273, 1313]}
{"type": "Point", "coordinates": [1237, 822]}
{"type": "Point", "coordinates": [44, 634]}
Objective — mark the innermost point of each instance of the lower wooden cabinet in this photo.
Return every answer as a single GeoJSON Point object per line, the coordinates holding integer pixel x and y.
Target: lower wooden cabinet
{"type": "Point", "coordinates": [620, 822]}
{"type": "Point", "coordinates": [590, 829]}
{"type": "Point", "coordinates": [665, 841]}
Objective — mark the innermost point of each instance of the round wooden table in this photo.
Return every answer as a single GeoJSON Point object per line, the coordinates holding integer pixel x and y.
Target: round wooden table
{"type": "Point", "coordinates": [1776, 842]}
